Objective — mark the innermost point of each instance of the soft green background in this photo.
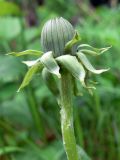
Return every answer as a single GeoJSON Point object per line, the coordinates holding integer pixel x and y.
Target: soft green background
{"type": "Point", "coordinates": [30, 120]}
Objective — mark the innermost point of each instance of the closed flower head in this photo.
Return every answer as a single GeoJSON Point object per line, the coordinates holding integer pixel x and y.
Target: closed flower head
{"type": "Point", "coordinates": [55, 34]}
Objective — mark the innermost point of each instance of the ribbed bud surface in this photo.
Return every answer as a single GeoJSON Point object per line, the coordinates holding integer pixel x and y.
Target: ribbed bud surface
{"type": "Point", "coordinates": [55, 34]}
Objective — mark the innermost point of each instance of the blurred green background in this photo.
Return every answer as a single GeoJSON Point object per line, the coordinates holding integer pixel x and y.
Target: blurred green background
{"type": "Point", "coordinates": [30, 120]}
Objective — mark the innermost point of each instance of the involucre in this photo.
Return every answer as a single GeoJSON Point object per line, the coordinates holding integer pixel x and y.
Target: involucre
{"type": "Point", "coordinates": [55, 34]}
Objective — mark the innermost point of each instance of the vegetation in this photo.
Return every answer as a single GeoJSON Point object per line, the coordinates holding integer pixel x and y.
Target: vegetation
{"type": "Point", "coordinates": [30, 120]}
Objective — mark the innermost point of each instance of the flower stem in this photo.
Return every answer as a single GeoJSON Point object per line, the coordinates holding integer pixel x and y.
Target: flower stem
{"type": "Point", "coordinates": [67, 116]}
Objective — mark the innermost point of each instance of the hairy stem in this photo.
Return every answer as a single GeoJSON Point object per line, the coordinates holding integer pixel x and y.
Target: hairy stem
{"type": "Point", "coordinates": [67, 116]}
{"type": "Point", "coordinates": [78, 128]}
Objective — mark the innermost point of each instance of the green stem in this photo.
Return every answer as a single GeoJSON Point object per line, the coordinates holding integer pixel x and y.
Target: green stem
{"type": "Point", "coordinates": [67, 116]}
{"type": "Point", "coordinates": [78, 128]}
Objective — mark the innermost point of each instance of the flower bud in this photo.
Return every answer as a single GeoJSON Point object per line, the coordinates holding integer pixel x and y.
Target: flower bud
{"type": "Point", "coordinates": [55, 34]}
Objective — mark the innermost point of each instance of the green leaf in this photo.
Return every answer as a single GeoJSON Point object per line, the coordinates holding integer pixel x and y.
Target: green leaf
{"type": "Point", "coordinates": [9, 149]}
{"type": "Point", "coordinates": [72, 42]}
{"type": "Point", "coordinates": [30, 34]}
{"type": "Point", "coordinates": [7, 8]}
{"type": "Point", "coordinates": [49, 62]}
{"type": "Point", "coordinates": [30, 74]}
{"type": "Point", "coordinates": [26, 52]}
{"type": "Point", "coordinates": [73, 66]}
{"type": "Point", "coordinates": [11, 69]}
{"type": "Point", "coordinates": [94, 51]}
{"type": "Point", "coordinates": [53, 151]}
{"type": "Point", "coordinates": [7, 91]}
{"type": "Point", "coordinates": [88, 65]}
{"type": "Point", "coordinates": [10, 27]}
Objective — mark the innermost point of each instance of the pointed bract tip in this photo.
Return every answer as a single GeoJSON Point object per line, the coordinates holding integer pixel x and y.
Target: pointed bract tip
{"type": "Point", "coordinates": [10, 53]}
{"type": "Point", "coordinates": [105, 49]}
{"type": "Point", "coordinates": [18, 90]}
{"type": "Point", "coordinates": [105, 70]}
{"type": "Point", "coordinates": [59, 76]}
{"type": "Point", "coordinates": [87, 87]}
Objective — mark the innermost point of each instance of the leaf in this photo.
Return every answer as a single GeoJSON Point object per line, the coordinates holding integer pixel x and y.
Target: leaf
{"type": "Point", "coordinates": [49, 62]}
{"type": "Point", "coordinates": [7, 8]}
{"type": "Point", "coordinates": [72, 42]}
{"type": "Point", "coordinates": [88, 65]}
{"type": "Point", "coordinates": [82, 154]}
{"type": "Point", "coordinates": [30, 74]}
{"type": "Point", "coordinates": [19, 115]}
{"type": "Point", "coordinates": [26, 52]}
{"type": "Point", "coordinates": [73, 66]}
{"type": "Point", "coordinates": [53, 151]}
{"type": "Point", "coordinates": [31, 33]}
{"type": "Point", "coordinates": [10, 27]}
{"type": "Point", "coordinates": [94, 51]}
{"type": "Point", "coordinates": [10, 69]}
{"type": "Point", "coordinates": [9, 149]}
{"type": "Point", "coordinates": [7, 91]}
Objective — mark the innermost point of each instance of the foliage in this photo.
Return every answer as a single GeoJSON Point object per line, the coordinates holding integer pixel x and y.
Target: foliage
{"type": "Point", "coordinates": [96, 118]}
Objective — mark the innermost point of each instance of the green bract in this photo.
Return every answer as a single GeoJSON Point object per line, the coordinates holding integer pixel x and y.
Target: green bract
{"type": "Point", "coordinates": [62, 49]}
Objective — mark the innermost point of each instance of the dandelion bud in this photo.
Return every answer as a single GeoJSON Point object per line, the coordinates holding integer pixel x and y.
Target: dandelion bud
{"type": "Point", "coordinates": [55, 34]}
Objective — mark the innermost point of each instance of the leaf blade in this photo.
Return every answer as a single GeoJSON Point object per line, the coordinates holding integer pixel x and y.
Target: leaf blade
{"type": "Point", "coordinates": [10, 149]}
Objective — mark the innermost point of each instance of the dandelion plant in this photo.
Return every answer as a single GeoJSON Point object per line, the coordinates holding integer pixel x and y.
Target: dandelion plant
{"type": "Point", "coordinates": [63, 55]}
